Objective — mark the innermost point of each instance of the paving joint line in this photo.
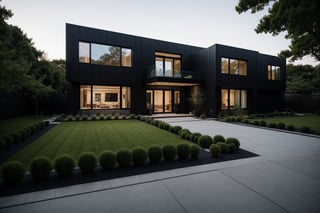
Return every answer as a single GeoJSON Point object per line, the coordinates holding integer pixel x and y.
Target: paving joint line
{"type": "Point", "coordinates": [254, 191]}
{"type": "Point", "coordinates": [174, 196]}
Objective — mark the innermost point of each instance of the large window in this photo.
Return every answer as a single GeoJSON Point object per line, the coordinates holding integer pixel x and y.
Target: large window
{"type": "Point", "coordinates": [105, 97]}
{"type": "Point", "coordinates": [274, 72]}
{"type": "Point", "coordinates": [233, 98]}
{"type": "Point", "coordinates": [104, 54]}
{"type": "Point", "coordinates": [167, 64]}
{"type": "Point", "coordinates": [233, 66]}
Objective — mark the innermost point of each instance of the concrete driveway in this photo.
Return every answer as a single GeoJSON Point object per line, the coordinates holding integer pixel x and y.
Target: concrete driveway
{"type": "Point", "coordinates": [284, 178]}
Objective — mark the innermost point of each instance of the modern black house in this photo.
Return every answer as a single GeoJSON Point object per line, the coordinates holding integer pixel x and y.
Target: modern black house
{"type": "Point", "coordinates": [120, 72]}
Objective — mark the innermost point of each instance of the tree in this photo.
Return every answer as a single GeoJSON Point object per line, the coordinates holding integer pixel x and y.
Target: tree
{"type": "Point", "coordinates": [303, 79]}
{"type": "Point", "coordinates": [299, 18]}
{"type": "Point", "coordinates": [197, 99]}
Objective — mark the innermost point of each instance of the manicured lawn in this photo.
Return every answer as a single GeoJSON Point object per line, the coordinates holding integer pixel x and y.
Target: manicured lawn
{"type": "Point", "coordinates": [15, 124]}
{"type": "Point", "coordinates": [312, 121]}
{"type": "Point", "coordinates": [96, 136]}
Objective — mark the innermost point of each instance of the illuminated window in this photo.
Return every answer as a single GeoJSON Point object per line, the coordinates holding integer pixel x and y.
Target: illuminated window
{"type": "Point", "coordinates": [104, 55]}
{"type": "Point", "coordinates": [105, 97]}
{"type": "Point", "coordinates": [274, 72]}
{"type": "Point", "coordinates": [233, 98]}
{"type": "Point", "coordinates": [84, 52]}
{"type": "Point", "coordinates": [233, 66]}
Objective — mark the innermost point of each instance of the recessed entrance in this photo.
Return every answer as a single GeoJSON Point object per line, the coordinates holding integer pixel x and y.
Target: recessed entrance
{"type": "Point", "coordinates": [160, 101]}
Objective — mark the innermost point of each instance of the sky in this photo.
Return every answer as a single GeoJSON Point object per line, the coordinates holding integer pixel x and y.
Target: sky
{"type": "Point", "coordinates": [194, 22]}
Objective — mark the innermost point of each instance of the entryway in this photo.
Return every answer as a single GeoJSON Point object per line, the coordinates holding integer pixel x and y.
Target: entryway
{"type": "Point", "coordinates": [162, 101]}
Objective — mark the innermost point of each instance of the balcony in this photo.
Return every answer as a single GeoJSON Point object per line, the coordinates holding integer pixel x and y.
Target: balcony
{"type": "Point", "coordinates": [173, 78]}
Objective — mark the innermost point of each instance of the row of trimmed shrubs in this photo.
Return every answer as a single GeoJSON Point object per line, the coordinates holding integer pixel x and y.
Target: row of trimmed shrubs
{"type": "Point", "coordinates": [280, 125]}
{"type": "Point", "coordinates": [96, 117]}
{"type": "Point", "coordinates": [205, 141]}
{"type": "Point", "coordinates": [41, 167]}
{"type": "Point", "coordinates": [19, 136]}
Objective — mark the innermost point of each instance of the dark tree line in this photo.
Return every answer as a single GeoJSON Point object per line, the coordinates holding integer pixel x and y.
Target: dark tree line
{"type": "Point", "coordinates": [23, 68]}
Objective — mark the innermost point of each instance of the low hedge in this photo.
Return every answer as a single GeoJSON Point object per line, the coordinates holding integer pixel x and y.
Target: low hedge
{"type": "Point", "coordinates": [194, 151]}
{"type": "Point", "coordinates": [155, 154]}
{"type": "Point", "coordinates": [169, 152]}
{"type": "Point", "coordinates": [124, 157]}
{"type": "Point", "coordinates": [205, 141]}
{"type": "Point", "coordinates": [272, 125]}
{"type": "Point", "coordinates": [107, 160]}
{"type": "Point", "coordinates": [40, 168]}
{"type": "Point", "coordinates": [183, 151]}
{"type": "Point", "coordinates": [13, 172]}
{"type": "Point", "coordinates": [64, 165]}
{"type": "Point", "coordinates": [281, 125]}
{"type": "Point", "coordinates": [215, 150]}
{"type": "Point", "coordinates": [87, 162]}
{"type": "Point", "coordinates": [139, 156]}
{"type": "Point", "coordinates": [262, 123]}
{"type": "Point", "coordinates": [218, 138]}
{"type": "Point", "coordinates": [306, 129]}
{"type": "Point", "coordinates": [290, 127]}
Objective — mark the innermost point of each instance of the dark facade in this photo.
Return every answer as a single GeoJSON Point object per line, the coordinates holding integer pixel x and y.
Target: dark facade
{"type": "Point", "coordinates": [114, 71]}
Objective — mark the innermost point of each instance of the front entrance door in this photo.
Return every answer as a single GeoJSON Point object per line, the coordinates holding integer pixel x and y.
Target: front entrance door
{"type": "Point", "coordinates": [160, 100]}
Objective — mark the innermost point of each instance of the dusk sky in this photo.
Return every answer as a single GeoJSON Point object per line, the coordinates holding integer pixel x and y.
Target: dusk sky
{"type": "Point", "coordinates": [199, 23]}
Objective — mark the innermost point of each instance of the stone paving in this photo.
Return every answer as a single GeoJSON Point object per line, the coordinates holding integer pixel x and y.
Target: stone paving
{"type": "Point", "coordinates": [284, 178]}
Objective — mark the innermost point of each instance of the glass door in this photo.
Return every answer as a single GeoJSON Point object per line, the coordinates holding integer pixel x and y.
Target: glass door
{"type": "Point", "coordinates": [158, 101]}
{"type": "Point", "coordinates": [168, 101]}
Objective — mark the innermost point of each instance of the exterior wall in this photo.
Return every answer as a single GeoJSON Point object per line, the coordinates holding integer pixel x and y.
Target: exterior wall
{"type": "Point", "coordinates": [262, 94]}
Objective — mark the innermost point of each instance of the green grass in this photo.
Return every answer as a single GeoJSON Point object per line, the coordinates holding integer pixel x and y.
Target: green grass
{"type": "Point", "coordinates": [312, 121]}
{"type": "Point", "coordinates": [15, 124]}
{"type": "Point", "coordinates": [95, 136]}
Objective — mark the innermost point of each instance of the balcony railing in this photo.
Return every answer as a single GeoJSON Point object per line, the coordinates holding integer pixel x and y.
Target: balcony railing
{"type": "Point", "coordinates": [182, 74]}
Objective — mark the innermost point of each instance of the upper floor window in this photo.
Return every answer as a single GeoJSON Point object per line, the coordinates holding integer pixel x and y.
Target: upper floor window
{"type": "Point", "coordinates": [84, 52]}
{"type": "Point", "coordinates": [274, 72]}
{"type": "Point", "coordinates": [104, 54]}
{"type": "Point", "coordinates": [167, 64]}
{"type": "Point", "coordinates": [233, 66]}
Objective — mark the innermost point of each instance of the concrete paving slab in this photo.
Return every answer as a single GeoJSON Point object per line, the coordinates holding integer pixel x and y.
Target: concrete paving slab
{"type": "Point", "coordinates": [215, 192]}
{"type": "Point", "coordinates": [291, 190]}
{"type": "Point", "coordinates": [148, 197]}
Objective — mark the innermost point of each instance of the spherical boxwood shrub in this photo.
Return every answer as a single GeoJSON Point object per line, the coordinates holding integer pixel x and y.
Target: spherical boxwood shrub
{"type": "Point", "coordinates": [16, 137]}
{"type": "Point", "coordinates": [281, 125]}
{"type": "Point", "coordinates": [185, 135]}
{"type": "Point", "coordinates": [155, 154]}
{"type": "Point", "coordinates": [169, 152]}
{"type": "Point", "coordinates": [64, 165]}
{"type": "Point", "coordinates": [232, 147]}
{"type": "Point", "coordinates": [177, 129]}
{"type": "Point", "coordinates": [87, 162]}
{"type": "Point", "coordinates": [194, 136]}
{"type": "Point", "coordinates": [306, 129]}
{"type": "Point", "coordinates": [139, 156]}
{"type": "Point", "coordinates": [215, 150]}
{"type": "Point", "coordinates": [183, 151]}
{"type": "Point", "coordinates": [235, 141]}
{"type": "Point", "coordinates": [218, 138]}
{"type": "Point", "coordinates": [224, 147]}
{"type": "Point", "coordinates": [205, 141]}
{"type": "Point", "coordinates": [107, 160]}
{"type": "Point", "coordinates": [256, 123]}
{"type": "Point", "coordinates": [262, 123]}
{"type": "Point", "coordinates": [40, 168]}
{"type": "Point", "coordinates": [194, 151]}
{"type": "Point", "coordinates": [272, 125]}
{"type": "Point", "coordinates": [290, 127]}
{"type": "Point", "coordinates": [124, 157]}
{"type": "Point", "coordinates": [13, 172]}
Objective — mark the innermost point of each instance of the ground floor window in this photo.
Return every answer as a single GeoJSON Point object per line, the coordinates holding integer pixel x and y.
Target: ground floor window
{"type": "Point", "coordinates": [233, 98]}
{"type": "Point", "coordinates": [105, 97]}
{"type": "Point", "coordinates": [159, 101]}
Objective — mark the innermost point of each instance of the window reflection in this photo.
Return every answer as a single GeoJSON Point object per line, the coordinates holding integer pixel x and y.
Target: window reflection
{"type": "Point", "coordinates": [84, 52]}
{"type": "Point", "coordinates": [274, 72]}
{"type": "Point", "coordinates": [167, 64]}
{"type": "Point", "coordinates": [224, 65]}
{"type": "Point", "coordinates": [126, 57]}
{"type": "Point", "coordinates": [233, 66]}
{"type": "Point", "coordinates": [233, 98]}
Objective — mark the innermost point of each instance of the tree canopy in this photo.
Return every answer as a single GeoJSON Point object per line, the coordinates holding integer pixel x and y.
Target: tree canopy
{"type": "Point", "coordinates": [303, 79]}
{"type": "Point", "coordinates": [23, 68]}
{"type": "Point", "coordinates": [300, 19]}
